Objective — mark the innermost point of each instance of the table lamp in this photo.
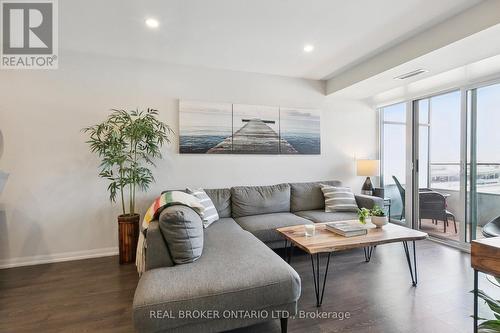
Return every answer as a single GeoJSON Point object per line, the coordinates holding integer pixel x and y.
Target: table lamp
{"type": "Point", "coordinates": [367, 168]}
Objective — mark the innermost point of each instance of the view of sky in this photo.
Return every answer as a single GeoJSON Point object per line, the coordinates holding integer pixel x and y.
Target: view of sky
{"type": "Point", "coordinates": [488, 124]}
{"type": "Point", "coordinates": [202, 118]}
{"type": "Point", "coordinates": [443, 135]}
{"type": "Point", "coordinates": [299, 121]}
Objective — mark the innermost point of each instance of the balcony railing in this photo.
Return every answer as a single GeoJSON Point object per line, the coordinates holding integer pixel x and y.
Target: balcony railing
{"type": "Point", "coordinates": [446, 176]}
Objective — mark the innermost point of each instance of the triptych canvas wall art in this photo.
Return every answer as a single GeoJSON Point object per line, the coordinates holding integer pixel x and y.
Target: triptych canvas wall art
{"type": "Point", "coordinates": [226, 128]}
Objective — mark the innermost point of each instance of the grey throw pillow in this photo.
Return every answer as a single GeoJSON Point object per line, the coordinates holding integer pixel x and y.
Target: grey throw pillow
{"type": "Point", "coordinates": [182, 230]}
{"type": "Point", "coordinates": [339, 199]}
{"type": "Point", "coordinates": [209, 215]}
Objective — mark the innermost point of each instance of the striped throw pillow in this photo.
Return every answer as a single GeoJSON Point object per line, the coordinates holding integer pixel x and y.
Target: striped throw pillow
{"type": "Point", "coordinates": [209, 214]}
{"type": "Point", "coordinates": [339, 199]}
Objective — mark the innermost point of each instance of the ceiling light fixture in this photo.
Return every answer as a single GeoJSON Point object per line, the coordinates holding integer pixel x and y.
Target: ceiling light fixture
{"type": "Point", "coordinates": [308, 48]}
{"type": "Point", "coordinates": [411, 74]}
{"type": "Point", "coordinates": [152, 23]}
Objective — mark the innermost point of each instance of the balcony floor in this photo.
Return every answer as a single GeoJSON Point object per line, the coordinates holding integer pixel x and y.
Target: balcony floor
{"type": "Point", "coordinates": [438, 230]}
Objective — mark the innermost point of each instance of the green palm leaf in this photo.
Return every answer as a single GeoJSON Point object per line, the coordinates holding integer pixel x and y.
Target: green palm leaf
{"type": "Point", "coordinates": [127, 142]}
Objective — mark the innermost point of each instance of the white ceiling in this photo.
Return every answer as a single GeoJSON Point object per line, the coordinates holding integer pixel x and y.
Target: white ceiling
{"type": "Point", "coordinates": [480, 72]}
{"type": "Point", "coordinates": [473, 58]}
{"type": "Point", "coordinates": [262, 36]}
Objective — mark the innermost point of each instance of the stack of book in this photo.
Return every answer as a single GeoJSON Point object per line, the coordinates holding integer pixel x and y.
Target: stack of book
{"type": "Point", "coordinates": [346, 229]}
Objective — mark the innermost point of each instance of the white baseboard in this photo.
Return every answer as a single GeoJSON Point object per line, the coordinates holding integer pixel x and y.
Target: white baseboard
{"type": "Point", "coordinates": [51, 258]}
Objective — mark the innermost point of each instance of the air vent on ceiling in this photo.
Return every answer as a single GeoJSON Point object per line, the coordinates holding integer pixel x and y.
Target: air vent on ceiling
{"type": "Point", "coordinates": [410, 74]}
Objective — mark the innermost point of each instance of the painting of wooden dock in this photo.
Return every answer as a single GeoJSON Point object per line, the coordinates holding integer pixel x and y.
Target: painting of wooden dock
{"type": "Point", "coordinates": [218, 128]}
{"type": "Point", "coordinates": [255, 129]}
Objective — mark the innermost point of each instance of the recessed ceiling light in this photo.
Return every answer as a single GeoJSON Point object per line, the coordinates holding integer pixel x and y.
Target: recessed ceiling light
{"type": "Point", "coordinates": [152, 23]}
{"type": "Point", "coordinates": [308, 48]}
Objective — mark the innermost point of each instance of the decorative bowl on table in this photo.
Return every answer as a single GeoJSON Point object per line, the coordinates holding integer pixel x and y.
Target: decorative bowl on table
{"type": "Point", "coordinates": [380, 221]}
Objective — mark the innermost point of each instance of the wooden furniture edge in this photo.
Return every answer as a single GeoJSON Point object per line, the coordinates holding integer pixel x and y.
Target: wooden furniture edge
{"type": "Point", "coordinates": [283, 232]}
{"type": "Point", "coordinates": [485, 255]}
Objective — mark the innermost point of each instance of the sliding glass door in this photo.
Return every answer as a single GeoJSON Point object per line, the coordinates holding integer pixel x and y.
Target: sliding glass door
{"type": "Point", "coordinates": [439, 206]}
{"type": "Point", "coordinates": [394, 128]}
{"type": "Point", "coordinates": [484, 155]}
{"type": "Point", "coordinates": [440, 158]}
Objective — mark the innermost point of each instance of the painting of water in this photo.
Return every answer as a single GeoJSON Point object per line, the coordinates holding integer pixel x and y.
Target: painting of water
{"type": "Point", "coordinates": [300, 128]}
{"type": "Point", "coordinates": [225, 128]}
{"type": "Point", "coordinates": [203, 125]}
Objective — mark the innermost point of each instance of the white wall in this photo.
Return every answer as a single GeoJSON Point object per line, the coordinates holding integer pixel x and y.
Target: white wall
{"type": "Point", "coordinates": [54, 206]}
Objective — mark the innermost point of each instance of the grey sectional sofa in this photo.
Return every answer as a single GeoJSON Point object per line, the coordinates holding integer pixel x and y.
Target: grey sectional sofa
{"type": "Point", "coordinates": [239, 280]}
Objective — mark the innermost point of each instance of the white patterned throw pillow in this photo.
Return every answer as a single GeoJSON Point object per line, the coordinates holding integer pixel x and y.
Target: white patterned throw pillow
{"type": "Point", "coordinates": [209, 215]}
{"type": "Point", "coordinates": [339, 199]}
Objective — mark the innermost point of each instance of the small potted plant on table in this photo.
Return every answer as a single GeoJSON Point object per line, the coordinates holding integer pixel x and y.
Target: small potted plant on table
{"type": "Point", "coordinates": [363, 214]}
{"type": "Point", "coordinates": [127, 142]}
{"type": "Point", "coordinates": [378, 216]}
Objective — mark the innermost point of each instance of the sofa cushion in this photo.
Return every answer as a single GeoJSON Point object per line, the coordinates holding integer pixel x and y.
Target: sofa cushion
{"type": "Point", "coordinates": [236, 272]}
{"type": "Point", "coordinates": [264, 226]}
{"type": "Point", "coordinates": [182, 230]}
{"type": "Point", "coordinates": [221, 199]}
{"type": "Point", "coordinates": [254, 200]}
{"type": "Point", "coordinates": [319, 216]}
{"type": "Point", "coordinates": [308, 196]}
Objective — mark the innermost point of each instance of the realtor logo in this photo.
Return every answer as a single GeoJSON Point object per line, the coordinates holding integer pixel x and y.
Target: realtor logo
{"type": "Point", "coordinates": [29, 34]}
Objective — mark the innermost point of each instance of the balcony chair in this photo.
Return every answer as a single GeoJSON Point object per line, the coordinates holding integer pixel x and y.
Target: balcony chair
{"type": "Point", "coordinates": [433, 206]}
{"type": "Point", "coordinates": [402, 193]}
{"type": "Point", "coordinates": [492, 228]}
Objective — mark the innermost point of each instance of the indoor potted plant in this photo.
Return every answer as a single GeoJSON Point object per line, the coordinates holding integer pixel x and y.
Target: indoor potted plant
{"type": "Point", "coordinates": [378, 216]}
{"type": "Point", "coordinates": [490, 325]}
{"type": "Point", "coordinates": [127, 142]}
{"type": "Point", "coordinates": [363, 214]}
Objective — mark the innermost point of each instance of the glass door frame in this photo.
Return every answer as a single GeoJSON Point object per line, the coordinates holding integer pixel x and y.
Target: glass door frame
{"type": "Point", "coordinates": [468, 148]}
{"type": "Point", "coordinates": [462, 164]}
{"type": "Point", "coordinates": [470, 105]}
{"type": "Point", "coordinates": [381, 123]}
{"type": "Point", "coordinates": [413, 158]}
{"type": "Point", "coordinates": [464, 161]}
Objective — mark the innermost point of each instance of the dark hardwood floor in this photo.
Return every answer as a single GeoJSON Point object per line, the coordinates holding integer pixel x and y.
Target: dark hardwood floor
{"type": "Point", "coordinates": [96, 295]}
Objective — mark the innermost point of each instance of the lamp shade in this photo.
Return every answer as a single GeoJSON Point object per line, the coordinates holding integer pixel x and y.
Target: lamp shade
{"type": "Point", "coordinates": [367, 168]}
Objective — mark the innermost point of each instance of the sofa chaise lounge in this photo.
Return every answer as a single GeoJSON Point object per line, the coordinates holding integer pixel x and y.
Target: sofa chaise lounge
{"type": "Point", "coordinates": [238, 280]}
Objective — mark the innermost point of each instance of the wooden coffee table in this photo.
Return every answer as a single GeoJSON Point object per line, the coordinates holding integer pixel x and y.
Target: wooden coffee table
{"type": "Point", "coordinates": [327, 242]}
